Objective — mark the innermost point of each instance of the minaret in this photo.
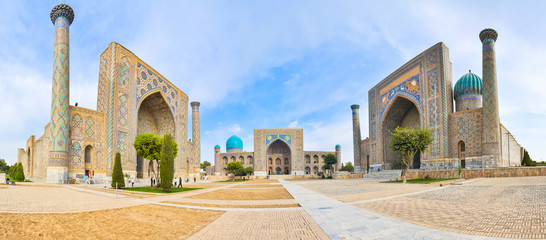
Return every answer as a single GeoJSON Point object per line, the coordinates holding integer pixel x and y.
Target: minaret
{"type": "Point", "coordinates": [217, 161]}
{"type": "Point", "coordinates": [490, 109]}
{"type": "Point", "coordinates": [61, 16]}
{"type": "Point", "coordinates": [356, 133]}
{"type": "Point", "coordinates": [196, 130]}
{"type": "Point", "coordinates": [338, 157]}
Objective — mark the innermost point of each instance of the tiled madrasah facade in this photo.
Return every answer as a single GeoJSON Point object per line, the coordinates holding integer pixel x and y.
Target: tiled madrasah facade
{"type": "Point", "coordinates": [132, 98]}
{"type": "Point", "coordinates": [420, 94]}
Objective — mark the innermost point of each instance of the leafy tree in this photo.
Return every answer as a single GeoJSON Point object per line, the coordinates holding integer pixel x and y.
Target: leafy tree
{"type": "Point", "coordinates": [4, 167]}
{"type": "Point", "coordinates": [12, 170]}
{"type": "Point", "coordinates": [167, 163]}
{"type": "Point", "coordinates": [19, 173]}
{"type": "Point", "coordinates": [329, 163]}
{"type": "Point", "coordinates": [117, 172]}
{"type": "Point", "coordinates": [204, 165]}
{"type": "Point", "coordinates": [248, 171]}
{"type": "Point", "coordinates": [349, 167]}
{"type": "Point", "coordinates": [149, 146]}
{"type": "Point", "coordinates": [236, 168]}
{"type": "Point", "coordinates": [407, 142]}
{"type": "Point", "coordinates": [526, 161]}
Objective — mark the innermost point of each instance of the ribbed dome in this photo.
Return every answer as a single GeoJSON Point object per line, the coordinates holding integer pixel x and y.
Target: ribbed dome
{"type": "Point", "coordinates": [217, 146]}
{"type": "Point", "coordinates": [234, 142]}
{"type": "Point", "coordinates": [468, 84]}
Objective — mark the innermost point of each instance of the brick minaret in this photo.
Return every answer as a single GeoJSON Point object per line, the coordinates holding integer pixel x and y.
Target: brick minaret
{"type": "Point", "coordinates": [61, 16]}
{"type": "Point", "coordinates": [196, 131]}
{"type": "Point", "coordinates": [356, 133]}
{"type": "Point", "coordinates": [490, 110]}
{"type": "Point", "coordinates": [338, 156]}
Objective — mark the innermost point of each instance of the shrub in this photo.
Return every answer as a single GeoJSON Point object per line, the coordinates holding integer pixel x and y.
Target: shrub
{"type": "Point", "coordinates": [166, 168]}
{"type": "Point", "coordinates": [117, 172]}
{"type": "Point", "coordinates": [248, 171]}
{"type": "Point", "coordinates": [12, 170]}
{"type": "Point", "coordinates": [329, 177]}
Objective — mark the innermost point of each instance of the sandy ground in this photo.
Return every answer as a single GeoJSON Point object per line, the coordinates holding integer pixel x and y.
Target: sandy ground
{"type": "Point", "coordinates": [265, 185]}
{"type": "Point", "coordinates": [235, 206]}
{"type": "Point", "coordinates": [245, 194]}
{"type": "Point", "coordinates": [138, 222]}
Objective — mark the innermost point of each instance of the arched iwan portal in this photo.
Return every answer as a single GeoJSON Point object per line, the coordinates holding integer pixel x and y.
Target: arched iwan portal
{"type": "Point", "coordinates": [279, 150]}
{"type": "Point", "coordinates": [154, 116]}
{"type": "Point", "coordinates": [404, 113]}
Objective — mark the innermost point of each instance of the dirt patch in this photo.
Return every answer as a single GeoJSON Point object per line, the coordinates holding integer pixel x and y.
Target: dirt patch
{"type": "Point", "coordinates": [245, 194]}
{"type": "Point", "coordinates": [139, 222]}
{"type": "Point", "coordinates": [265, 181]}
{"type": "Point", "coordinates": [265, 185]}
{"type": "Point", "coordinates": [124, 193]}
{"type": "Point", "coordinates": [235, 206]}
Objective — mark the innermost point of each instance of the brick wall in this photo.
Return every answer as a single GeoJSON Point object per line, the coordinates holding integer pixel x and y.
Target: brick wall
{"type": "Point", "coordinates": [477, 173]}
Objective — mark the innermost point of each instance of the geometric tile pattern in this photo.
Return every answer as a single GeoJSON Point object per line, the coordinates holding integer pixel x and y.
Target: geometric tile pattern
{"type": "Point", "coordinates": [75, 154]}
{"type": "Point", "coordinates": [490, 115]}
{"type": "Point", "coordinates": [89, 123]}
{"type": "Point", "coordinates": [431, 57]}
{"type": "Point", "coordinates": [76, 127]}
{"type": "Point", "coordinates": [59, 133]}
{"type": "Point", "coordinates": [409, 88]}
{"type": "Point", "coordinates": [434, 113]}
{"type": "Point", "coordinates": [148, 81]}
{"type": "Point", "coordinates": [122, 146]}
{"type": "Point", "coordinates": [466, 126]}
{"type": "Point", "coordinates": [122, 110]}
{"type": "Point", "coordinates": [124, 72]}
{"type": "Point", "coordinates": [110, 112]}
{"type": "Point", "coordinates": [432, 82]}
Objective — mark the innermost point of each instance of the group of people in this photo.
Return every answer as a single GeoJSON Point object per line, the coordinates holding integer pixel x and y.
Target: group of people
{"type": "Point", "coordinates": [176, 182]}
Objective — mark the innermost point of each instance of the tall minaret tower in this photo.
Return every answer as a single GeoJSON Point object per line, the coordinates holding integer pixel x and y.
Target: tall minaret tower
{"type": "Point", "coordinates": [196, 130]}
{"type": "Point", "coordinates": [356, 134]}
{"type": "Point", "coordinates": [61, 16]}
{"type": "Point", "coordinates": [490, 109]}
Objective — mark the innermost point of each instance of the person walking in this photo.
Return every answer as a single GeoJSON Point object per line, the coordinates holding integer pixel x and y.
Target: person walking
{"type": "Point", "coordinates": [151, 181]}
{"type": "Point", "coordinates": [180, 182]}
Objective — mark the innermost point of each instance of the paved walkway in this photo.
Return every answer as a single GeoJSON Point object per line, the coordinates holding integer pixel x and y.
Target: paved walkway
{"type": "Point", "coordinates": [344, 221]}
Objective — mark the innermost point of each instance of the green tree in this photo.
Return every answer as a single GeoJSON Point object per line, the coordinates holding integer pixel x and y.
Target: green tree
{"type": "Point", "coordinates": [117, 173]}
{"type": "Point", "coordinates": [407, 142]}
{"type": "Point", "coordinates": [526, 161]}
{"type": "Point", "coordinates": [19, 172]}
{"type": "Point", "coordinates": [248, 171]}
{"type": "Point", "coordinates": [167, 163]}
{"type": "Point", "coordinates": [4, 167]}
{"type": "Point", "coordinates": [329, 163]}
{"type": "Point", "coordinates": [235, 168]}
{"type": "Point", "coordinates": [12, 170]}
{"type": "Point", "coordinates": [149, 146]}
{"type": "Point", "coordinates": [348, 167]}
{"type": "Point", "coordinates": [204, 165]}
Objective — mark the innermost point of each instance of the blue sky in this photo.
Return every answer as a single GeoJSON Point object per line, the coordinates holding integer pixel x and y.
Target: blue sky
{"type": "Point", "coordinates": [272, 64]}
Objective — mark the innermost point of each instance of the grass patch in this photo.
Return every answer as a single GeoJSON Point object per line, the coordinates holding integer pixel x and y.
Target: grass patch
{"type": "Point", "coordinates": [234, 180]}
{"type": "Point", "coordinates": [421, 180]}
{"type": "Point", "coordinates": [15, 180]}
{"type": "Point", "coordinates": [158, 190]}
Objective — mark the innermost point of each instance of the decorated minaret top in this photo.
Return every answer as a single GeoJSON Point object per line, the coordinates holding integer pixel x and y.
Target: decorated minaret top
{"type": "Point", "coordinates": [488, 33]}
{"type": "Point", "coordinates": [62, 10]}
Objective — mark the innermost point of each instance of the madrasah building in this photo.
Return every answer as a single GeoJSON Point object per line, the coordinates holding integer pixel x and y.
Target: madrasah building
{"type": "Point", "coordinates": [132, 99]}
{"type": "Point", "coordinates": [276, 152]}
{"type": "Point", "coordinates": [420, 94]}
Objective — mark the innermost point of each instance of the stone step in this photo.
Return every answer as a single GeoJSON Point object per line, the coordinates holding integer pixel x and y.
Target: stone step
{"type": "Point", "coordinates": [385, 174]}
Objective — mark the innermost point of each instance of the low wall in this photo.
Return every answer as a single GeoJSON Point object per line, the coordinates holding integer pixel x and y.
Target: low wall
{"type": "Point", "coordinates": [480, 173]}
{"type": "Point", "coordinates": [349, 176]}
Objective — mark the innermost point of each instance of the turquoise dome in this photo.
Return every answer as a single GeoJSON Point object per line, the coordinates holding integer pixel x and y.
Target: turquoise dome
{"type": "Point", "coordinates": [338, 146]}
{"type": "Point", "coordinates": [234, 142]}
{"type": "Point", "coordinates": [468, 84]}
{"type": "Point", "coordinates": [217, 146]}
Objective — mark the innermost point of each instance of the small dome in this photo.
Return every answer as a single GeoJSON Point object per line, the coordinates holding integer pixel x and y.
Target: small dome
{"type": "Point", "coordinates": [234, 142]}
{"type": "Point", "coordinates": [468, 84]}
{"type": "Point", "coordinates": [217, 146]}
{"type": "Point", "coordinates": [338, 146]}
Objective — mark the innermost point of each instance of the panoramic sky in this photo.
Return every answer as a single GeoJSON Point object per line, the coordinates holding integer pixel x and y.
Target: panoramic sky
{"type": "Point", "coordinates": [272, 64]}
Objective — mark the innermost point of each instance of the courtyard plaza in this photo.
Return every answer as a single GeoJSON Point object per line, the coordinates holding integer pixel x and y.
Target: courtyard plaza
{"type": "Point", "coordinates": [483, 208]}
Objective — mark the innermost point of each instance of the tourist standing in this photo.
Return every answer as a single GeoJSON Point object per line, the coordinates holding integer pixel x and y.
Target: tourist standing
{"type": "Point", "coordinates": [179, 182]}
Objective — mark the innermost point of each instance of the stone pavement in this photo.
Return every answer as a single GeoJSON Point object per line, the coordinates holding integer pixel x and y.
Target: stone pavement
{"type": "Point", "coordinates": [344, 221]}
{"type": "Point", "coordinates": [285, 224]}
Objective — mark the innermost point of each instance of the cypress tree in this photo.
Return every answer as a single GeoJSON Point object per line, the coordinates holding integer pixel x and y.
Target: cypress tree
{"type": "Point", "coordinates": [117, 172]}
{"type": "Point", "coordinates": [19, 173]}
{"type": "Point", "coordinates": [167, 163]}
